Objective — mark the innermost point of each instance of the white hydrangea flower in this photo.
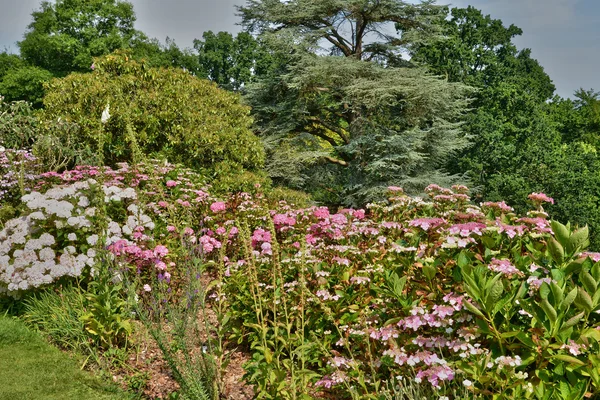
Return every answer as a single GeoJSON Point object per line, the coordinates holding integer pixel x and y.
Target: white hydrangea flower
{"type": "Point", "coordinates": [47, 254]}
{"type": "Point", "coordinates": [92, 240]}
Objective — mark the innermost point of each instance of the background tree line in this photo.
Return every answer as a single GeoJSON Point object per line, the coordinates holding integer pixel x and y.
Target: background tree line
{"type": "Point", "coordinates": [352, 96]}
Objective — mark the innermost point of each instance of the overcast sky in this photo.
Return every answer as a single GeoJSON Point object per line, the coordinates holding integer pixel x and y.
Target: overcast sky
{"type": "Point", "coordinates": [564, 35]}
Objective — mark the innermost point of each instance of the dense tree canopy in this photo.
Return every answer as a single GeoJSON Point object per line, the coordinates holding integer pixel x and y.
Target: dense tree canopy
{"type": "Point", "coordinates": [231, 61]}
{"type": "Point", "coordinates": [65, 35]}
{"type": "Point", "coordinates": [361, 114]}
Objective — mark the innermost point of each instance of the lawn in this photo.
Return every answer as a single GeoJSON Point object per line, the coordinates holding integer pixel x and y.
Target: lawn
{"type": "Point", "coordinates": [30, 368]}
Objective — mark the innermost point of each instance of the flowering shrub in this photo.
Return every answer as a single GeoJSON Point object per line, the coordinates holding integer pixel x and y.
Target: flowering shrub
{"type": "Point", "coordinates": [453, 297]}
{"type": "Point", "coordinates": [61, 231]}
{"type": "Point", "coordinates": [444, 292]}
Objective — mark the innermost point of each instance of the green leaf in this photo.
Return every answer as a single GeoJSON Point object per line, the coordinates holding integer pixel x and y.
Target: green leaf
{"type": "Point", "coordinates": [572, 321]}
{"type": "Point", "coordinates": [494, 294]}
{"type": "Point", "coordinates": [569, 298]}
{"type": "Point", "coordinates": [471, 308]}
{"type": "Point", "coordinates": [568, 359]}
{"type": "Point", "coordinates": [557, 292]}
{"type": "Point", "coordinates": [560, 232]}
{"type": "Point", "coordinates": [589, 283]}
{"type": "Point", "coordinates": [462, 260]}
{"type": "Point", "coordinates": [429, 271]}
{"type": "Point", "coordinates": [583, 301]}
{"type": "Point", "coordinates": [549, 311]}
{"type": "Point", "coordinates": [579, 239]}
{"type": "Point", "coordinates": [556, 250]}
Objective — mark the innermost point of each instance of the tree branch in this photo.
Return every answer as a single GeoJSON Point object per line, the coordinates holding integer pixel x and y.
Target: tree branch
{"type": "Point", "coordinates": [336, 161]}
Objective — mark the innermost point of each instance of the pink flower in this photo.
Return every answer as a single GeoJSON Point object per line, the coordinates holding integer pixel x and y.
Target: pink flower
{"type": "Point", "coordinates": [170, 228]}
{"type": "Point", "coordinates": [574, 348]}
{"type": "Point", "coordinates": [594, 256]}
{"type": "Point", "coordinates": [161, 266]}
{"type": "Point", "coordinates": [163, 204]}
{"type": "Point", "coordinates": [147, 288]}
{"type": "Point", "coordinates": [339, 219]}
{"type": "Point", "coordinates": [501, 206]}
{"type": "Point", "coordinates": [218, 206]}
{"type": "Point", "coordinates": [358, 214]}
{"type": "Point", "coordinates": [427, 223]}
{"type": "Point", "coordinates": [504, 267]}
{"type": "Point", "coordinates": [541, 198]}
{"type": "Point", "coordinates": [395, 189]}
{"type": "Point", "coordinates": [160, 251]}
{"type": "Point", "coordinates": [171, 183]}
{"type": "Point", "coordinates": [188, 231]}
{"type": "Point", "coordinates": [321, 212]}
{"type": "Point", "coordinates": [467, 229]}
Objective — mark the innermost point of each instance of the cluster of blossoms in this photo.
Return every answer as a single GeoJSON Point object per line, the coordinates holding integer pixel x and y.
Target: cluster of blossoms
{"type": "Point", "coordinates": [60, 234]}
{"type": "Point", "coordinates": [363, 272]}
{"type": "Point", "coordinates": [351, 252]}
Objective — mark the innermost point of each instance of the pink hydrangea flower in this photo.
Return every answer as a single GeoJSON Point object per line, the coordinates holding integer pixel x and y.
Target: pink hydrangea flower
{"type": "Point", "coordinates": [427, 223]}
{"type": "Point", "coordinates": [160, 251]}
{"type": "Point", "coordinates": [218, 206]}
{"type": "Point", "coordinates": [504, 266]}
{"type": "Point", "coordinates": [541, 198]}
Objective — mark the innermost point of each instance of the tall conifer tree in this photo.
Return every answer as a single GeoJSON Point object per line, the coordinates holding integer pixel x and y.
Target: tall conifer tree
{"type": "Point", "coordinates": [344, 111]}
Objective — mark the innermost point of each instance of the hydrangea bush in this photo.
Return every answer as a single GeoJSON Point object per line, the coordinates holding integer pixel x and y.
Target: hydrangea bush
{"type": "Point", "coordinates": [462, 300]}
{"type": "Point", "coordinates": [440, 291]}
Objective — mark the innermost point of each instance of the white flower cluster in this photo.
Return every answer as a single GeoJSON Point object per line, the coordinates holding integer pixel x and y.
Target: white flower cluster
{"type": "Point", "coordinates": [30, 255]}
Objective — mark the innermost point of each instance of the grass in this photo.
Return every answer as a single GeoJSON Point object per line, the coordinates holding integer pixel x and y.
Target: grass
{"type": "Point", "coordinates": [30, 368]}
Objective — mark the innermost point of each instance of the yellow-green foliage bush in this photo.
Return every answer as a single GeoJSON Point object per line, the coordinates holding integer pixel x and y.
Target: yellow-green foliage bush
{"type": "Point", "coordinates": [158, 112]}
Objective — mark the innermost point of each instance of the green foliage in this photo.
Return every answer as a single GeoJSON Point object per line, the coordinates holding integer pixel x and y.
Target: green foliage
{"type": "Point", "coordinates": [478, 50]}
{"type": "Point", "coordinates": [231, 62]}
{"type": "Point", "coordinates": [190, 344]}
{"type": "Point", "coordinates": [64, 36]}
{"type": "Point", "coordinates": [154, 112]}
{"type": "Point", "coordinates": [520, 144]}
{"type": "Point", "coordinates": [25, 84]}
{"type": "Point", "coordinates": [18, 125]}
{"type": "Point", "coordinates": [361, 118]}
{"type": "Point", "coordinates": [168, 55]}
{"type": "Point", "coordinates": [9, 62]}
{"type": "Point", "coordinates": [107, 319]}
{"type": "Point", "coordinates": [57, 315]}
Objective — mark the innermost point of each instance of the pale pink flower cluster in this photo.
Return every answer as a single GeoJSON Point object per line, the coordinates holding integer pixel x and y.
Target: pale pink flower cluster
{"type": "Point", "coordinates": [218, 206]}
{"type": "Point", "coordinates": [500, 206]}
{"type": "Point", "coordinates": [504, 266]}
{"type": "Point", "coordinates": [467, 229]}
{"type": "Point", "coordinates": [574, 348]}
{"type": "Point", "coordinates": [541, 198]}
{"type": "Point", "coordinates": [594, 256]}
{"type": "Point", "coordinates": [427, 223]}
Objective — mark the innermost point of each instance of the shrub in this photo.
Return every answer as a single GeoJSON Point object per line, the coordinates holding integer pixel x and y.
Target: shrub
{"type": "Point", "coordinates": [157, 112]}
{"type": "Point", "coordinates": [18, 124]}
{"type": "Point", "coordinates": [26, 83]}
{"type": "Point", "coordinates": [62, 230]}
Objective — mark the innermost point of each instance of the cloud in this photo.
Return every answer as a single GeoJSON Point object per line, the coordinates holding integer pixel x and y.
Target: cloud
{"type": "Point", "coordinates": [14, 18]}
{"type": "Point", "coordinates": [185, 20]}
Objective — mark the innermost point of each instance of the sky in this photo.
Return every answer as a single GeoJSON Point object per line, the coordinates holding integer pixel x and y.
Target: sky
{"type": "Point", "coordinates": [564, 35]}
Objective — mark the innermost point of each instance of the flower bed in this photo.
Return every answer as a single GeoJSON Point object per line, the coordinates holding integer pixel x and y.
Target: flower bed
{"type": "Point", "coordinates": [433, 296]}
